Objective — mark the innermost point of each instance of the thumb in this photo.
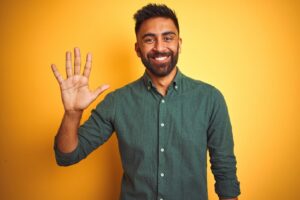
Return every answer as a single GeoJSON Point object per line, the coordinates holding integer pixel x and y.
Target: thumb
{"type": "Point", "coordinates": [99, 90]}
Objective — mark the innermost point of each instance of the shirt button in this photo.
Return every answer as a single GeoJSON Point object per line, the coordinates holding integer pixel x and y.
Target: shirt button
{"type": "Point", "coordinates": [162, 174]}
{"type": "Point", "coordinates": [162, 124]}
{"type": "Point", "coordinates": [161, 199]}
{"type": "Point", "coordinates": [176, 87]}
{"type": "Point", "coordinates": [162, 149]}
{"type": "Point", "coordinates": [163, 101]}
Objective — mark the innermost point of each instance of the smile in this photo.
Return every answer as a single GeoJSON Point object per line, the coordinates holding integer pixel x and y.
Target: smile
{"type": "Point", "coordinates": [161, 58]}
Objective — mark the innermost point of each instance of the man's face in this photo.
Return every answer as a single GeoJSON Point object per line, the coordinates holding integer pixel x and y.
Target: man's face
{"type": "Point", "coordinates": [158, 45]}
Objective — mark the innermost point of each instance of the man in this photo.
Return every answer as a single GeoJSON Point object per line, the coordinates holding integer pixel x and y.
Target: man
{"type": "Point", "coordinates": [164, 121]}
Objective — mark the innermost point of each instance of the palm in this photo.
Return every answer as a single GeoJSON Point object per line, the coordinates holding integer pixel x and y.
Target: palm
{"type": "Point", "coordinates": [75, 92]}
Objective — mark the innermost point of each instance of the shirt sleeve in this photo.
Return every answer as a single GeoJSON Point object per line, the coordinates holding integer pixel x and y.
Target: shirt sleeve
{"type": "Point", "coordinates": [92, 133]}
{"type": "Point", "coordinates": [221, 148]}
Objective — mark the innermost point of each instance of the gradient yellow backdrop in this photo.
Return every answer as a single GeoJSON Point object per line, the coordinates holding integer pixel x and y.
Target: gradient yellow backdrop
{"type": "Point", "coordinates": [248, 49]}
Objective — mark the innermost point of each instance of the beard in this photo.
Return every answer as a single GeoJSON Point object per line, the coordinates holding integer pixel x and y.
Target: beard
{"type": "Point", "coordinates": [161, 69]}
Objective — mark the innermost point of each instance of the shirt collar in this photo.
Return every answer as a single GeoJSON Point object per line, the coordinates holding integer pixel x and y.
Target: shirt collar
{"type": "Point", "coordinates": [176, 81]}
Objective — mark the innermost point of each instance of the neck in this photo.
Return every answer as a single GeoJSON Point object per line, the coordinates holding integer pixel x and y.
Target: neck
{"type": "Point", "coordinates": [162, 83]}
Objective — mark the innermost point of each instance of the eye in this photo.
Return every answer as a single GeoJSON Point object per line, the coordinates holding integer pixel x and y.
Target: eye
{"type": "Point", "coordinates": [148, 40]}
{"type": "Point", "coordinates": [169, 38]}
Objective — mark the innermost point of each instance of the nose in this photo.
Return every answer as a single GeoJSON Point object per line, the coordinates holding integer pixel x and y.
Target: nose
{"type": "Point", "coordinates": [159, 45]}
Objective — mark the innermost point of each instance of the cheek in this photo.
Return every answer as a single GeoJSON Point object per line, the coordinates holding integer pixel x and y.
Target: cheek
{"type": "Point", "coordinates": [144, 52]}
{"type": "Point", "coordinates": [140, 52]}
{"type": "Point", "coordinates": [175, 48]}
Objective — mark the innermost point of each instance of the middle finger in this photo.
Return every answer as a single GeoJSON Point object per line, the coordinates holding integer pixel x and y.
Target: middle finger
{"type": "Point", "coordinates": [77, 61]}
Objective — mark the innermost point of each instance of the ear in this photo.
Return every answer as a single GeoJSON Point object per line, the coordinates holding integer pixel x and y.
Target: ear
{"type": "Point", "coordinates": [180, 42]}
{"type": "Point", "coordinates": [137, 49]}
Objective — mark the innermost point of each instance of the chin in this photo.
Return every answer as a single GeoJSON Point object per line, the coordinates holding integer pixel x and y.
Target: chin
{"type": "Point", "coordinates": [165, 70]}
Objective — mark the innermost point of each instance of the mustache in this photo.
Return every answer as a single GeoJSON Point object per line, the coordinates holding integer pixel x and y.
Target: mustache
{"type": "Point", "coordinates": [159, 54]}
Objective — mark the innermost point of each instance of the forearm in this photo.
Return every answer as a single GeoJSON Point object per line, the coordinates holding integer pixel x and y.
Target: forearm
{"type": "Point", "coordinates": [221, 150]}
{"type": "Point", "coordinates": [67, 136]}
{"type": "Point", "coordinates": [230, 199]}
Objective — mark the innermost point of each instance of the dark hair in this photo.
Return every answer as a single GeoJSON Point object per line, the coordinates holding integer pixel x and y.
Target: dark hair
{"type": "Point", "coordinates": [154, 10]}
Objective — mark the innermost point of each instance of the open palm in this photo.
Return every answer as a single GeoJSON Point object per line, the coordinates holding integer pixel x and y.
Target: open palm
{"type": "Point", "coordinates": [75, 92]}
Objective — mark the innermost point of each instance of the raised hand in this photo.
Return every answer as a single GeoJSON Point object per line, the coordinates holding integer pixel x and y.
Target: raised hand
{"type": "Point", "coordinates": [75, 92]}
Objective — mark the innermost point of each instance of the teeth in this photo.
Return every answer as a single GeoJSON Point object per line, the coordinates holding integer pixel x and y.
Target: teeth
{"type": "Point", "coordinates": [161, 58]}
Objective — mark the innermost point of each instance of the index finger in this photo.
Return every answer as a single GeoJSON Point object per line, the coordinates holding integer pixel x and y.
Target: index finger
{"type": "Point", "coordinates": [88, 65]}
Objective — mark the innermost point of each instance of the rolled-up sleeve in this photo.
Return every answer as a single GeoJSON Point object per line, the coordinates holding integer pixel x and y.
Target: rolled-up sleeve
{"type": "Point", "coordinates": [221, 148]}
{"type": "Point", "coordinates": [91, 134]}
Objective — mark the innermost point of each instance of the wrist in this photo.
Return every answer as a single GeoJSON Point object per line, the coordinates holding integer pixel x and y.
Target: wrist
{"type": "Point", "coordinates": [73, 113]}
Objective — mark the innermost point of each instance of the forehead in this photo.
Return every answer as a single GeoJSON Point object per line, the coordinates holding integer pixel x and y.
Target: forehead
{"type": "Point", "coordinates": [157, 25]}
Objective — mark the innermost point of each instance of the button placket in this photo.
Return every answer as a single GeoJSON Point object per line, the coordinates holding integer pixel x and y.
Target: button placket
{"type": "Point", "coordinates": [161, 171]}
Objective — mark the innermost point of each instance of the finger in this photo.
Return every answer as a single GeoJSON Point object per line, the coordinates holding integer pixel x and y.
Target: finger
{"type": "Point", "coordinates": [99, 90]}
{"type": "Point", "coordinates": [77, 61]}
{"type": "Point", "coordinates": [88, 65]}
{"type": "Point", "coordinates": [57, 75]}
{"type": "Point", "coordinates": [68, 64]}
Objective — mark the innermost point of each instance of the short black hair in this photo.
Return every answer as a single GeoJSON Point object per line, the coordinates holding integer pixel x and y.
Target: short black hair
{"type": "Point", "coordinates": [151, 11]}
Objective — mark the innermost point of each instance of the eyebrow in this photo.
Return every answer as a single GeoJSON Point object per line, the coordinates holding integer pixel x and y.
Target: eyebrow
{"type": "Point", "coordinates": [153, 35]}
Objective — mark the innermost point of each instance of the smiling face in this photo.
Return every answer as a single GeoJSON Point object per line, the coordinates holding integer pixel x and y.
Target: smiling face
{"type": "Point", "coordinates": [158, 45]}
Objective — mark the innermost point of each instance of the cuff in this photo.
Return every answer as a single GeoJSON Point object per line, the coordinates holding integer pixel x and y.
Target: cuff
{"type": "Point", "coordinates": [66, 159]}
{"type": "Point", "coordinates": [227, 189]}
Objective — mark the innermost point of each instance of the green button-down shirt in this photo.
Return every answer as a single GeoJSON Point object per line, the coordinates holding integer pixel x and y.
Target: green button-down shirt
{"type": "Point", "coordinates": [163, 140]}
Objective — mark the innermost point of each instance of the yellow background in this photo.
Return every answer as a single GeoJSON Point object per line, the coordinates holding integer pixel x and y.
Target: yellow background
{"type": "Point", "coordinates": [248, 49]}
